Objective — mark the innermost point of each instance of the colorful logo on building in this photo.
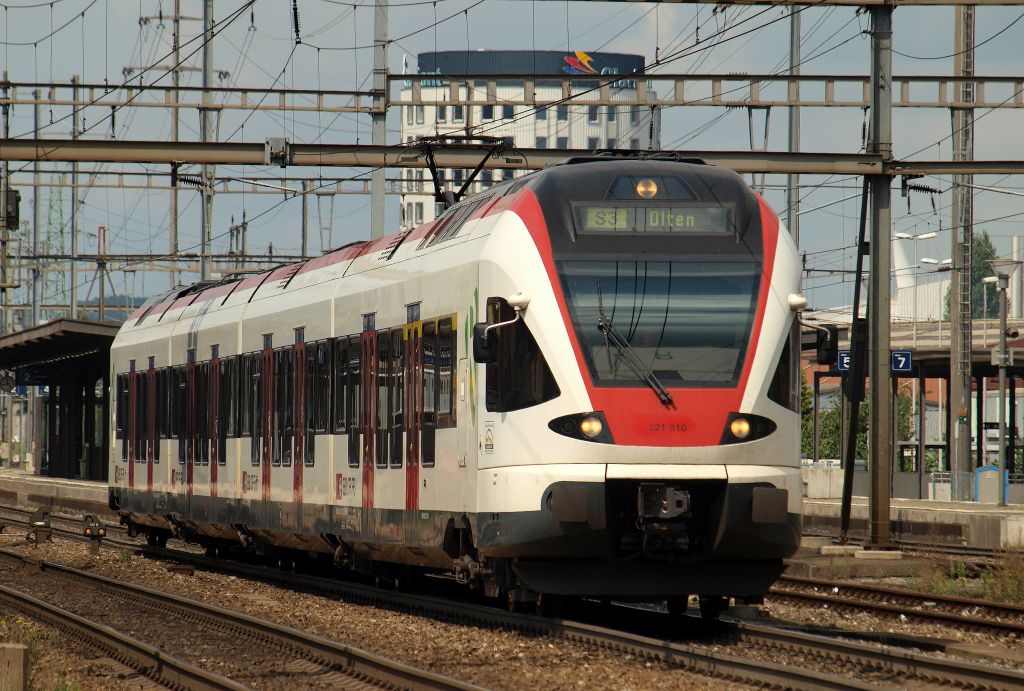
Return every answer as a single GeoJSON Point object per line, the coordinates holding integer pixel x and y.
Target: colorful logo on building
{"type": "Point", "coordinates": [579, 64]}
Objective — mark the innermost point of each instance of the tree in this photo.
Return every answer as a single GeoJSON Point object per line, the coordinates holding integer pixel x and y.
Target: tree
{"type": "Point", "coordinates": [982, 252]}
{"type": "Point", "coordinates": [830, 425]}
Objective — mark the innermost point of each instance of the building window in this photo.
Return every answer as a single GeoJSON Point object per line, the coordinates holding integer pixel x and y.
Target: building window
{"type": "Point", "coordinates": [458, 113]}
{"type": "Point", "coordinates": [542, 113]}
{"type": "Point", "coordinates": [408, 213]}
{"type": "Point", "coordinates": [542, 142]}
{"type": "Point", "coordinates": [457, 176]}
{"type": "Point", "coordinates": [506, 174]}
{"type": "Point", "coordinates": [419, 213]}
{"type": "Point", "coordinates": [612, 144]}
{"type": "Point", "coordinates": [634, 115]}
{"type": "Point", "coordinates": [487, 112]}
{"type": "Point", "coordinates": [419, 115]}
{"type": "Point", "coordinates": [592, 143]}
{"type": "Point", "coordinates": [442, 113]}
{"type": "Point", "coordinates": [419, 180]}
{"type": "Point", "coordinates": [486, 177]}
{"type": "Point", "coordinates": [508, 112]}
{"type": "Point", "coordinates": [611, 113]}
{"type": "Point", "coordinates": [634, 144]}
{"type": "Point", "coordinates": [592, 113]}
{"type": "Point", "coordinates": [408, 115]}
{"type": "Point", "coordinates": [563, 113]}
{"type": "Point", "coordinates": [562, 143]}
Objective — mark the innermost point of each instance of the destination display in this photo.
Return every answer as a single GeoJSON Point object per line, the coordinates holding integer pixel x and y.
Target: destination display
{"type": "Point", "coordinates": [702, 220]}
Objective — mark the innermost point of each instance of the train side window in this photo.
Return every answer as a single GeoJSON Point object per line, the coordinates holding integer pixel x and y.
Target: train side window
{"type": "Point", "coordinates": [121, 414]}
{"type": "Point", "coordinates": [203, 412]}
{"type": "Point", "coordinates": [519, 377]}
{"type": "Point", "coordinates": [318, 374]}
{"type": "Point", "coordinates": [446, 372]}
{"type": "Point", "coordinates": [255, 411]}
{"type": "Point", "coordinates": [317, 380]}
{"type": "Point", "coordinates": [781, 388]}
{"type": "Point", "coordinates": [224, 402]}
{"type": "Point", "coordinates": [397, 379]}
{"type": "Point", "coordinates": [428, 421]}
{"type": "Point", "coordinates": [161, 404]}
{"type": "Point", "coordinates": [354, 401]}
{"type": "Point", "coordinates": [180, 408]}
{"type": "Point", "coordinates": [384, 408]}
{"type": "Point", "coordinates": [139, 422]}
{"type": "Point", "coordinates": [339, 385]}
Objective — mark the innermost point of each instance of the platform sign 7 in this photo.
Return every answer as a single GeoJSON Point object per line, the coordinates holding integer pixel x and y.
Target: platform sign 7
{"type": "Point", "coordinates": [843, 361]}
{"type": "Point", "coordinates": [902, 360]}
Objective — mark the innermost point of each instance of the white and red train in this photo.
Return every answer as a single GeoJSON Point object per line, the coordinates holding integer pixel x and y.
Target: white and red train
{"type": "Point", "coordinates": [574, 383]}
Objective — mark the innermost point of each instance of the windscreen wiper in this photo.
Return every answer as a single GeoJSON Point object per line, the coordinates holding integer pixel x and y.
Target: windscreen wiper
{"type": "Point", "coordinates": [611, 335]}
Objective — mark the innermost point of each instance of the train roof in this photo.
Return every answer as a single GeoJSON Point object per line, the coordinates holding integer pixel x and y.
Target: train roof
{"type": "Point", "coordinates": [584, 169]}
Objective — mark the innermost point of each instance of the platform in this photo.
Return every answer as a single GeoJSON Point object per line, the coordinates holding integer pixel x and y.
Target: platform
{"type": "Point", "coordinates": [959, 524]}
{"type": "Point", "coordinates": [75, 497]}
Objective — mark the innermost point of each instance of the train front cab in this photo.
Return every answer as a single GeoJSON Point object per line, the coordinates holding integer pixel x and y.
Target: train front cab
{"type": "Point", "coordinates": [669, 342]}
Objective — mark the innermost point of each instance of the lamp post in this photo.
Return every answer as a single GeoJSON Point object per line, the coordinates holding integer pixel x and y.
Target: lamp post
{"type": "Point", "coordinates": [909, 236]}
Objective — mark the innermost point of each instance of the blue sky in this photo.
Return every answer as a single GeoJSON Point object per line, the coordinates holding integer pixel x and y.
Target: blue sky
{"type": "Point", "coordinates": [102, 37]}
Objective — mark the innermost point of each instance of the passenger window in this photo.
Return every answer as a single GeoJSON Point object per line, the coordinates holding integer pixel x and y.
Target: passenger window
{"type": "Point", "coordinates": [353, 397]}
{"type": "Point", "coordinates": [446, 372]}
{"type": "Point", "coordinates": [428, 423]}
{"type": "Point", "coordinates": [519, 377]}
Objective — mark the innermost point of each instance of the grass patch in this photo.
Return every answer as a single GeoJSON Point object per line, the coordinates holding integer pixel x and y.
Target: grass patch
{"type": "Point", "coordinates": [1005, 583]}
{"type": "Point", "coordinates": [1002, 583]}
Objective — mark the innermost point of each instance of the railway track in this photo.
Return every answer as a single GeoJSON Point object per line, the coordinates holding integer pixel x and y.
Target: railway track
{"type": "Point", "coordinates": [823, 657]}
{"type": "Point", "coordinates": [247, 651]}
{"type": "Point", "coordinates": [959, 612]}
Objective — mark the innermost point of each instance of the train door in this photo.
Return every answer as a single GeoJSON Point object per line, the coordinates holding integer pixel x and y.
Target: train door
{"type": "Point", "coordinates": [368, 386]}
{"type": "Point", "coordinates": [267, 415]}
{"type": "Point", "coordinates": [413, 405]}
{"type": "Point", "coordinates": [191, 427]}
{"type": "Point", "coordinates": [133, 423]}
{"type": "Point", "coordinates": [213, 399]}
{"type": "Point", "coordinates": [299, 414]}
{"type": "Point", "coordinates": [152, 440]}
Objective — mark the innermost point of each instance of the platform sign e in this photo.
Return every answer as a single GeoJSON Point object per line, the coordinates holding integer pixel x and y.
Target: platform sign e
{"type": "Point", "coordinates": [843, 361]}
{"type": "Point", "coordinates": [902, 360]}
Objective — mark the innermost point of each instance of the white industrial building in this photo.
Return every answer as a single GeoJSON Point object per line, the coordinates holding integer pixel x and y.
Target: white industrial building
{"type": "Point", "coordinates": [574, 125]}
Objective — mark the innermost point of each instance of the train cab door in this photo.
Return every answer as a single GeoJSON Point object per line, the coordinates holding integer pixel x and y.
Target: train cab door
{"type": "Point", "coordinates": [412, 407]}
{"type": "Point", "coordinates": [368, 388]}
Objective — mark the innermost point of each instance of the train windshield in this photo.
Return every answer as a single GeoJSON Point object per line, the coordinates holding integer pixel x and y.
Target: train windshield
{"type": "Point", "coordinates": [689, 322]}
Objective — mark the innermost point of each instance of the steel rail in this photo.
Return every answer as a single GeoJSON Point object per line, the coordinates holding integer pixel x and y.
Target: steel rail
{"type": "Point", "coordinates": [884, 659]}
{"type": "Point", "coordinates": [151, 662]}
{"type": "Point", "coordinates": [346, 659]}
{"type": "Point", "coordinates": [908, 603]}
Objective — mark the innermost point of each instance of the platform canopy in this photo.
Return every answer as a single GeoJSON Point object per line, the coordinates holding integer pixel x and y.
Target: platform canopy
{"type": "Point", "coordinates": [72, 359]}
{"type": "Point", "coordinates": [41, 346]}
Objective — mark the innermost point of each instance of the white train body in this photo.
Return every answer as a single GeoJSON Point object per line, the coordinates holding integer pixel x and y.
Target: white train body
{"type": "Point", "coordinates": [433, 459]}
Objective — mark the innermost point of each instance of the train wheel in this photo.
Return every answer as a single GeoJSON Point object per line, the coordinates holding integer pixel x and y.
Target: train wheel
{"type": "Point", "coordinates": [549, 605]}
{"type": "Point", "coordinates": [677, 605]}
{"type": "Point", "coordinates": [712, 606]}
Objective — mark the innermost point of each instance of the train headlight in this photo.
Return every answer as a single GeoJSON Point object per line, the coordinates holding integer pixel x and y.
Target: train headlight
{"type": "Point", "coordinates": [740, 428]}
{"type": "Point", "coordinates": [591, 427]}
{"type": "Point", "coordinates": [646, 188]}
